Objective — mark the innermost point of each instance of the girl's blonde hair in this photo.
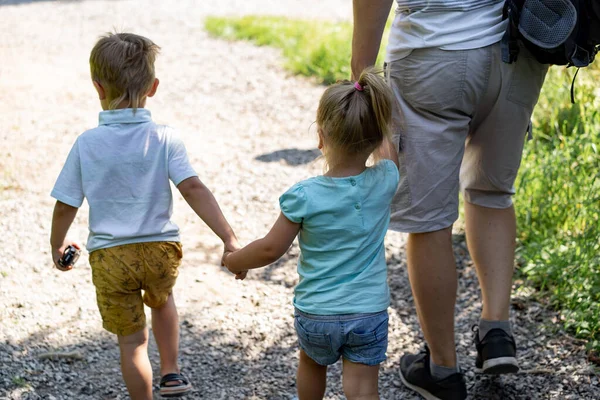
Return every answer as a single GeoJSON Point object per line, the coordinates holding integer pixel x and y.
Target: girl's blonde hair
{"type": "Point", "coordinates": [355, 118]}
{"type": "Point", "coordinates": [124, 64]}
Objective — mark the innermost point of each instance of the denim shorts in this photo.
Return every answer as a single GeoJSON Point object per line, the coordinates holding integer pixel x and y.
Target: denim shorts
{"type": "Point", "coordinates": [359, 338]}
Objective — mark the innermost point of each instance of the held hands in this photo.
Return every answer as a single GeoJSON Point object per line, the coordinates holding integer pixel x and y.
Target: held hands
{"type": "Point", "coordinates": [229, 248]}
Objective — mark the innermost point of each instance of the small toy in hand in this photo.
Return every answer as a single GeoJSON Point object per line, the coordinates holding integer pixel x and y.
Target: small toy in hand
{"type": "Point", "coordinates": [70, 256]}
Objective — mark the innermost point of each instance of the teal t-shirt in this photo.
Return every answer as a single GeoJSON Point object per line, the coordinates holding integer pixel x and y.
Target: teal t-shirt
{"type": "Point", "coordinates": [342, 264]}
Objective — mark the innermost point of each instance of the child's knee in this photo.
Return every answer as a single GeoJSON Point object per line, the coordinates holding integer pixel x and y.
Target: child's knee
{"type": "Point", "coordinates": [137, 339]}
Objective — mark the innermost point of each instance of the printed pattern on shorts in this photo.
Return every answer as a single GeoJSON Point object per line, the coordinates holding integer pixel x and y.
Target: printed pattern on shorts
{"type": "Point", "coordinates": [121, 273]}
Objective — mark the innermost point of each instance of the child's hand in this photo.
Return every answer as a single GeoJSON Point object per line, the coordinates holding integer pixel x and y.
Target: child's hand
{"type": "Point", "coordinates": [57, 254]}
{"type": "Point", "coordinates": [229, 247]}
{"type": "Point", "coordinates": [239, 275]}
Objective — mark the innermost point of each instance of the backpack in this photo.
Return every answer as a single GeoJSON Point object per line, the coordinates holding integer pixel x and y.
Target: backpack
{"type": "Point", "coordinates": [559, 32]}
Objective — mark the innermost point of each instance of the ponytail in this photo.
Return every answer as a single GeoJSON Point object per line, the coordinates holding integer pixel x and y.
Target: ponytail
{"type": "Point", "coordinates": [356, 116]}
{"type": "Point", "coordinates": [381, 98]}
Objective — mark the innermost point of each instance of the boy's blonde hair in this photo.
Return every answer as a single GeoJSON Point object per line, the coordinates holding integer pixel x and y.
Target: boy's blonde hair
{"type": "Point", "coordinates": [123, 63]}
{"type": "Point", "coordinates": [355, 121]}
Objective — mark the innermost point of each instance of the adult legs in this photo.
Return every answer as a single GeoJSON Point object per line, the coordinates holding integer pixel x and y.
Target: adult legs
{"type": "Point", "coordinates": [491, 234]}
{"type": "Point", "coordinates": [135, 365]}
{"type": "Point", "coordinates": [490, 165]}
{"type": "Point", "coordinates": [432, 271]}
{"type": "Point", "coordinates": [360, 381]}
{"type": "Point", "coordinates": [433, 279]}
{"type": "Point", "coordinates": [311, 378]}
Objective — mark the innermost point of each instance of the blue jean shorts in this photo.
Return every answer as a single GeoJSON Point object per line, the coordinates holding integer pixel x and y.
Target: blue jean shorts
{"type": "Point", "coordinates": [359, 338]}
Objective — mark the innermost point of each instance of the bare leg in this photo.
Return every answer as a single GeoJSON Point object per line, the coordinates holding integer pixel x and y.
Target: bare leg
{"type": "Point", "coordinates": [491, 237]}
{"type": "Point", "coordinates": [135, 365]}
{"type": "Point", "coordinates": [361, 381]}
{"type": "Point", "coordinates": [310, 379]}
{"type": "Point", "coordinates": [433, 279]}
{"type": "Point", "coordinates": [165, 326]}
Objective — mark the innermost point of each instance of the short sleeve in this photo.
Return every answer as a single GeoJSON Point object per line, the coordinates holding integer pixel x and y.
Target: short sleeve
{"type": "Point", "coordinates": [390, 175]}
{"type": "Point", "coordinates": [179, 165]}
{"type": "Point", "coordinates": [392, 168]}
{"type": "Point", "coordinates": [68, 188]}
{"type": "Point", "coordinates": [293, 204]}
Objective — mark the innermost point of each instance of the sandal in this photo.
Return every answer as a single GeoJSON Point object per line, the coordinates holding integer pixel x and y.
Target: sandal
{"type": "Point", "coordinates": [181, 387]}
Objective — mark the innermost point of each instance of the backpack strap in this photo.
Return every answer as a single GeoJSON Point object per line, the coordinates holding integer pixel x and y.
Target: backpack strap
{"type": "Point", "coordinates": [510, 42]}
{"type": "Point", "coordinates": [575, 46]}
{"type": "Point", "coordinates": [573, 87]}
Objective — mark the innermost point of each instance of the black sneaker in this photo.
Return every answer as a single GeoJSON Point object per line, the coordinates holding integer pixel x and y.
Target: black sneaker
{"type": "Point", "coordinates": [496, 353]}
{"type": "Point", "coordinates": [416, 375]}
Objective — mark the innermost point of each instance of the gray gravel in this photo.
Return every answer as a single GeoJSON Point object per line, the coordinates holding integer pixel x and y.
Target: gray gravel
{"type": "Point", "coordinates": [246, 125]}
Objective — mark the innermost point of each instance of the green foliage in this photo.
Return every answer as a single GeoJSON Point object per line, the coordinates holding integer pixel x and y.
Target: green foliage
{"type": "Point", "coordinates": [19, 382]}
{"type": "Point", "coordinates": [311, 48]}
{"type": "Point", "coordinates": [558, 189]}
{"type": "Point", "coordinates": [558, 200]}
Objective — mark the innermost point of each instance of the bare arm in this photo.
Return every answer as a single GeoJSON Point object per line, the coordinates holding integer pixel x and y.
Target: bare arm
{"type": "Point", "coordinates": [266, 250]}
{"type": "Point", "coordinates": [370, 17]}
{"type": "Point", "coordinates": [204, 204]}
{"type": "Point", "coordinates": [62, 218]}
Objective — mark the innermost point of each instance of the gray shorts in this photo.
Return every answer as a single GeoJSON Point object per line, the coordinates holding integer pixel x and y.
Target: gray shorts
{"type": "Point", "coordinates": [462, 117]}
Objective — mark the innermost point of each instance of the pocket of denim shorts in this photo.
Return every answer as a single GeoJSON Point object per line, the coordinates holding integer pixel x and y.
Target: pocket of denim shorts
{"type": "Point", "coordinates": [319, 343]}
{"type": "Point", "coordinates": [370, 343]}
{"type": "Point", "coordinates": [429, 78]}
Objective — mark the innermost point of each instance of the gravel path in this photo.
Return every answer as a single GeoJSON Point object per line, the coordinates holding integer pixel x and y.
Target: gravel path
{"type": "Point", "coordinates": [246, 125]}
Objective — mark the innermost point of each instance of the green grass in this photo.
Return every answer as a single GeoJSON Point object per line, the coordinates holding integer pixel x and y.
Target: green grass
{"type": "Point", "coordinates": [19, 382]}
{"type": "Point", "coordinates": [558, 201]}
{"type": "Point", "coordinates": [310, 48]}
{"type": "Point", "coordinates": [558, 189]}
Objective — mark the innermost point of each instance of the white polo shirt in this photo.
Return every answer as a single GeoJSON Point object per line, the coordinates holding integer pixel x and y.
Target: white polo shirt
{"type": "Point", "coordinates": [444, 24]}
{"type": "Point", "coordinates": [123, 168]}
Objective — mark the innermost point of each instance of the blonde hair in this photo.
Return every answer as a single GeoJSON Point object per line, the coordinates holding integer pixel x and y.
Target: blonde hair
{"type": "Point", "coordinates": [354, 121]}
{"type": "Point", "coordinates": [123, 63]}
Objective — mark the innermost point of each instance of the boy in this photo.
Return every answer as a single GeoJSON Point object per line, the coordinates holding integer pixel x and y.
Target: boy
{"type": "Point", "coordinates": [123, 168]}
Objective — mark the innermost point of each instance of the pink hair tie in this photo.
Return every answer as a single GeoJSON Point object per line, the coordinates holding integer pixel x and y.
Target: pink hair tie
{"type": "Point", "coordinates": [358, 87]}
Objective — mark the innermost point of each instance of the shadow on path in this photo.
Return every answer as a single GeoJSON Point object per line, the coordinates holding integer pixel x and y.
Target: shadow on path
{"type": "Point", "coordinates": [293, 157]}
{"type": "Point", "coordinates": [245, 364]}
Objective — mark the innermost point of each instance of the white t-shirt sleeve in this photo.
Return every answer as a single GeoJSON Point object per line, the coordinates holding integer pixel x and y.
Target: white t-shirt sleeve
{"type": "Point", "coordinates": [68, 188]}
{"type": "Point", "coordinates": [179, 166]}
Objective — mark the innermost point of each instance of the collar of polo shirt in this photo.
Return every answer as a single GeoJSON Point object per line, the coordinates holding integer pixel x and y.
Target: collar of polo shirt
{"type": "Point", "coordinates": [125, 116]}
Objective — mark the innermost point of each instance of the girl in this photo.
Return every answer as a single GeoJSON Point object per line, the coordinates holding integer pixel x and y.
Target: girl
{"type": "Point", "coordinates": [341, 219]}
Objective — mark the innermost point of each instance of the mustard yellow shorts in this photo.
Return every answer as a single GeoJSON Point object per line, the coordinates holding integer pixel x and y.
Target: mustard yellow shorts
{"type": "Point", "coordinates": [121, 273]}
